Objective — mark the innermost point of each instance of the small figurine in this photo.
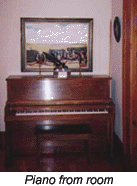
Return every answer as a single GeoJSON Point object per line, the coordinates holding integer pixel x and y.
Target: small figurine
{"type": "Point", "coordinates": [40, 60]}
{"type": "Point", "coordinates": [50, 57]}
{"type": "Point", "coordinates": [80, 59]}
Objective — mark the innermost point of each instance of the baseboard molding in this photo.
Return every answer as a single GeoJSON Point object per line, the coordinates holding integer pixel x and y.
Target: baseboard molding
{"type": "Point", "coordinates": [118, 147]}
{"type": "Point", "coordinates": [2, 139]}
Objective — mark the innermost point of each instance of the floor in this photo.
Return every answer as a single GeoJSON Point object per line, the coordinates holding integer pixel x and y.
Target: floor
{"type": "Point", "coordinates": [63, 162]}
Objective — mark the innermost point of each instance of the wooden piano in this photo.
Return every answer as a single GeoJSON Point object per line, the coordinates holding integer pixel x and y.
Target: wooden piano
{"type": "Point", "coordinates": [33, 101]}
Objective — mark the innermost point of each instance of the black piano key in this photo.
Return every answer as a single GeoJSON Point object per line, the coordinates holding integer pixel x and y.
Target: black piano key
{"type": "Point", "coordinates": [59, 110]}
{"type": "Point", "coordinates": [28, 111]}
{"type": "Point", "coordinates": [89, 110]}
{"type": "Point", "coordinates": [46, 111]}
{"type": "Point", "coordinates": [51, 110]}
{"type": "Point", "coordinates": [35, 111]}
{"type": "Point", "coordinates": [41, 111]}
{"type": "Point", "coordinates": [101, 110]}
{"type": "Point", "coordinates": [21, 111]}
{"type": "Point", "coordinates": [71, 110]}
{"type": "Point", "coordinates": [77, 110]}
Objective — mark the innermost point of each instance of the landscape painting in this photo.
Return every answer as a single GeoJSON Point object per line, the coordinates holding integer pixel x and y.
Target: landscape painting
{"type": "Point", "coordinates": [58, 41]}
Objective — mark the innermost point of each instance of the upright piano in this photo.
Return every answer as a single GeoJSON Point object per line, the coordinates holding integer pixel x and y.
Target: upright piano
{"type": "Point", "coordinates": [46, 101]}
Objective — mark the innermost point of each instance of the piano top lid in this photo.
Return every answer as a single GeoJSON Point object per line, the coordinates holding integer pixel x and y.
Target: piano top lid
{"type": "Point", "coordinates": [35, 77]}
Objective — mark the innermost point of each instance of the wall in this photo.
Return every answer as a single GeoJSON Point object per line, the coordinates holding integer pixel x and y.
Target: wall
{"type": "Point", "coordinates": [116, 68]}
{"type": "Point", "coordinates": [10, 13]}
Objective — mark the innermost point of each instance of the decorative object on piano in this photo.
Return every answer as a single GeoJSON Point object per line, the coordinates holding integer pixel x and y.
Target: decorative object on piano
{"type": "Point", "coordinates": [62, 73]}
{"type": "Point", "coordinates": [60, 41]}
{"type": "Point", "coordinates": [80, 61]}
{"type": "Point", "coordinates": [117, 29]}
{"type": "Point", "coordinates": [40, 60]}
{"type": "Point", "coordinates": [80, 69]}
{"type": "Point", "coordinates": [58, 65]}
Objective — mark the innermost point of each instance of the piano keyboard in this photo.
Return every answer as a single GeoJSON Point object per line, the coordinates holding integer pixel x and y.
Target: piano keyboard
{"type": "Point", "coordinates": [60, 112]}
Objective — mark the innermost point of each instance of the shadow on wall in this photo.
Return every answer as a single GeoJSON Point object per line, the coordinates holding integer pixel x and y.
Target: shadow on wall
{"type": "Point", "coordinates": [118, 109]}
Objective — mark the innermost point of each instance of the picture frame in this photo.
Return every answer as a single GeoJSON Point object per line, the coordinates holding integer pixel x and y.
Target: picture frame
{"type": "Point", "coordinates": [69, 41]}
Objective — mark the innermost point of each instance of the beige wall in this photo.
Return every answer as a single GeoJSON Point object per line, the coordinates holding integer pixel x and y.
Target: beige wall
{"type": "Point", "coordinates": [116, 68]}
{"type": "Point", "coordinates": [10, 13]}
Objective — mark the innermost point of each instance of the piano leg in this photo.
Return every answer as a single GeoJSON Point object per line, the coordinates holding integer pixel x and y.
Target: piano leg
{"type": "Point", "coordinates": [38, 149]}
{"type": "Point", "coordinates": [88, 151]}
{"type": "Point", "coordinates": [8, 160]}
{"type": "Point", "coordinates": [110, 136]}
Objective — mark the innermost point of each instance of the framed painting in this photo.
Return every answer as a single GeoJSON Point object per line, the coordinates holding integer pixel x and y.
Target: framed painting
{"type": "Point", "coordinates": [58, 41]}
